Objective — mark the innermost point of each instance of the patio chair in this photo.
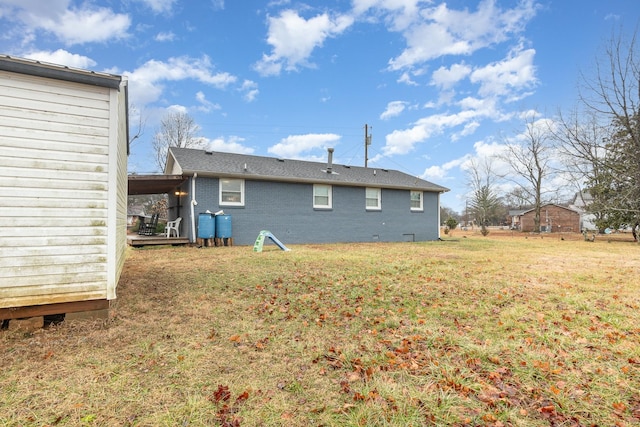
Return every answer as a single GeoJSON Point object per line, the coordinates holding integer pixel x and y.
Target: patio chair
{"type": "Point", "coordinates": [173, 226]}
{"type": "Point", "coordinates": [149, 228]}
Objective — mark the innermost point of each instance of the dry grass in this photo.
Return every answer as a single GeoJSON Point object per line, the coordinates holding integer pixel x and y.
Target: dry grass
{"type": "Point", "coordinates": [510, 330]}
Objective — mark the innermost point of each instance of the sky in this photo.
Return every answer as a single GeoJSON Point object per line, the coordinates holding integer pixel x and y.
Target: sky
{"type": "Point", "coordinates": [437, 84]}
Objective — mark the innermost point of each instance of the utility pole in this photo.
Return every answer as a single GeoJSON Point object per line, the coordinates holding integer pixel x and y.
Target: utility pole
{"type": "Point", "coordinates": [367, 143]}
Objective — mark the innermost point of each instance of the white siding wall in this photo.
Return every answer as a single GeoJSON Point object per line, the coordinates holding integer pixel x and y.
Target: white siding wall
{"type": "Point", "coordinates": [118, 144]}
{"type": "Point", "coordinates": [54, 181]}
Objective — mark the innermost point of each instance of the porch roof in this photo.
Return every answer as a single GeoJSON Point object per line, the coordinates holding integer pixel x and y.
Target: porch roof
{"type": "Point", "coordinates": [154, 184]}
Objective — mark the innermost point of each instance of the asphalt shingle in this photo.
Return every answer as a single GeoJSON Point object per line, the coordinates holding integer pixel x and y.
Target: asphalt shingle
{"type": "Point", "coordinates": [213, 163]}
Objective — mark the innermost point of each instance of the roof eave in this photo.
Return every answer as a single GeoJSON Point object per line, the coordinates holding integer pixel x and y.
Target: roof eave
{"type": "Point", "coordinates": [247, 175]}
{"type": "Point", "coordinates": [58, 72]}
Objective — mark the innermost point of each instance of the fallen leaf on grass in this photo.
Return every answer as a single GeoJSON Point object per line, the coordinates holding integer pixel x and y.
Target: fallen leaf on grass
{"type": "Point", "coordinates": [353, 377]}
{"type": "Point", "coordinates": [619, 406]}
{"type": "Point", "coordinates": [222, 394]}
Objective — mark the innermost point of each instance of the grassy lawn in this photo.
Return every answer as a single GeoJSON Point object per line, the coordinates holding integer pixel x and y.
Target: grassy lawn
{"type": "Point", "coordinates": [507, 330]}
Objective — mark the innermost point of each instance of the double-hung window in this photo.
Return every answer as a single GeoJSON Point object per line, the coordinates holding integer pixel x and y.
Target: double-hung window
{"type": "Point", "coordinates": [322, 196]}
{"type": "Point", "coordinates": [231, 192]}
{"type": "Point", "coordinates": [416, 201]}
{"type": "Point", "coordinates": [373, 199]}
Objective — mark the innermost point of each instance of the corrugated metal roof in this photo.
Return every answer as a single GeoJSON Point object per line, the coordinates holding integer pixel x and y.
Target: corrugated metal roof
{"type": "Point", "coordinates": [210, 163]}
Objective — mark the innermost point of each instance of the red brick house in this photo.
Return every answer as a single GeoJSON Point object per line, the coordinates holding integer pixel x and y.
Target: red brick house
{"type": "Point", "coordinates": [553, 218]}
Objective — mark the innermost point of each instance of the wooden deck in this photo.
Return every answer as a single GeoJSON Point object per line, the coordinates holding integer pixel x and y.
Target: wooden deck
{"type": "Point", "coordinates": [159, 239]}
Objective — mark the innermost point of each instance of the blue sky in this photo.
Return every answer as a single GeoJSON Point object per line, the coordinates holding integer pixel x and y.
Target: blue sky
{"type": "Point", "coordinates": [438, 83]}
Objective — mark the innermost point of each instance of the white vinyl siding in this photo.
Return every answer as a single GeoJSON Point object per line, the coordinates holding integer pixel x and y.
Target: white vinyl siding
{"type": "Point", "coordinates": [231, 192]}
{"type": "Point", "coordinates": [373, 199]}
{"type": "Point", "coordinates": [416, 201]}
{"type": "Point", "coordinates": [55, 174]}
{"type": "Point", "coordinates": [322, 198]}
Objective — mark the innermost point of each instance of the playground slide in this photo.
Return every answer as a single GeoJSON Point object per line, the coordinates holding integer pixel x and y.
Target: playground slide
{"type": "Point", "coordinates": [257, 247]}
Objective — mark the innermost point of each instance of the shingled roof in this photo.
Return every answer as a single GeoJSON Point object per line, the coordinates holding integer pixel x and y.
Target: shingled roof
{"type": "Point", "coordinates": [188, 161]}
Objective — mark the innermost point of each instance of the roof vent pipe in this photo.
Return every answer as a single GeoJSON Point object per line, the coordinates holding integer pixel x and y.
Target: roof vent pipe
{"type": "Point", "coordinates": [330, 162]}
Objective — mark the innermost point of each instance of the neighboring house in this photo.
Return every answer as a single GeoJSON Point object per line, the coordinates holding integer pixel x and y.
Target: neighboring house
{"type": "Point", "coordinates": [580, 203]}
{"type": "Point", "coordinates": [553, 218]}
{"type": "Point", "coordinates": [301, 201]}
{"type": "Point", "coordinates": [63, 188]}
{"type": "Point", "coordinates": [515, 215]}
{"type": "Point", "coordinates": [134, 213]}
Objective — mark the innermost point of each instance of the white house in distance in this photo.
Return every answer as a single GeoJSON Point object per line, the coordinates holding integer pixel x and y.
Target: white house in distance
{"type": "Point", "coordinates": [63, 188]}
{"type": "Point", "coordinates": [580, 203]}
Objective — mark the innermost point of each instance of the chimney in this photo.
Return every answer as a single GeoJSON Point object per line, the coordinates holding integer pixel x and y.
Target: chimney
{"type": "Point", "coordinates": [330, 162]}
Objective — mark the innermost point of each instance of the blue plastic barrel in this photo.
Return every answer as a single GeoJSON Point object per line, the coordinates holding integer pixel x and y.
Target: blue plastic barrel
{"type": "Point", "coordinates": [206, 226]}
{"type": "Point", "coordinates": [223, 226]}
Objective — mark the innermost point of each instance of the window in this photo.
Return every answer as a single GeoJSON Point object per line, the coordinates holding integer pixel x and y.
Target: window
{"type": "Point", "coordinates": [416, 200]}
{"type": "Point", "coordinates": [232, 192]}
{"type": "Point", "coordinates": [372, 197]}
{"type": "Point", "coordinates": [322, 196]}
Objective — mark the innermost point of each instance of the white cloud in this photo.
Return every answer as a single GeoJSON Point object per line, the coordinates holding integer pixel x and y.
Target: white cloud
{"type": "Point", "coordinates": [403, 141]}
{"type": "Point", "coordinates": [394, 108]}
{"type": "Point", "coordinates": [438, 31]}
{"type": "Point", "coordinates": [448, 77]}
{"type": "Point", "coordinates": [468, 129]}
{"type": "Point", "coordinates": [159, 6]}
{"type": "Point", "coordinates": [440, 172]}
{"type": "Point", "coordinates": [294, 146]}
{"type": "Point", "coordinates": [293, 39]}
{"type": "Point", "coordinates": [168, 36]}
{"type": "Point", "coordinates": [205, 105]}
{"type": "Point", "coordinates": [250, 90]}
{"type": "Point", "coordinates": [401, 12]}
{"type": "Point", "coordinates": [489, 150]}
{"type": "Point", "coordinates": [406, 79]}
{"type": "Point", "coordinates": [71, 25]}
{"type": "Point", "coordinates": [147, 82]}
{"type": "Point", "coordinates": [231, 144]}
{"type": "Point", "coordinates": [62, 57]}
{"type": "Point", "coordinates": [507, 77]}
{"type": "Point", "coordinates": [217, 4]}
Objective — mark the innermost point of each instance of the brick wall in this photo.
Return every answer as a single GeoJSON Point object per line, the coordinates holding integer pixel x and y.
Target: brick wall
{"type": "Point", "coordinates": [286, 209]}
{"type": "Point", "coordinates": [552, 218]}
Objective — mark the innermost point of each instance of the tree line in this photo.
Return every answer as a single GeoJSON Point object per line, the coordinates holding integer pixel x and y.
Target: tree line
{"type": "Point", "coordinates": [594, 150]}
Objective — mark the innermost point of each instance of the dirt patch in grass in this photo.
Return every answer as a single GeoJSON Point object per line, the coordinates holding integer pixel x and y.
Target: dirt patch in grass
{"type": "Point", "coordinates": [497, 330]}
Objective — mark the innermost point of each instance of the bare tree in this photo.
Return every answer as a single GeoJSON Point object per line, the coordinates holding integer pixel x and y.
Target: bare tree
{"type": "Point", "coordinates": [177, 129]}
{"type": "Point", "coordinates": [581, 142]}
{"type": "Point", "coordinates": [516, 198]}
{"type": "Point", "coordinates": [139, 128]}
{"type": "Point", "coordinates": [484, 200]}
{"type": "Point", "coordinates": [612, 96]}
{"type": "Point", "coordinates": [530, 160]}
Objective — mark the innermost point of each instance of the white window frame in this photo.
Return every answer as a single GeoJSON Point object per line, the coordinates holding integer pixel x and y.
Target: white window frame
{"type": "Point", "coordinates": [329, 196]}
{"type": "Point", "coordinates": [416, 208]}
{"type": "Point", "coordinates": [221, 200]}
{"type": "Point", "coordinates": [368, 197]}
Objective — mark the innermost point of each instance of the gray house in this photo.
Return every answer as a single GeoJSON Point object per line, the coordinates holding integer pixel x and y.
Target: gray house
{"type": "Point", "coordinates": [302, 201]}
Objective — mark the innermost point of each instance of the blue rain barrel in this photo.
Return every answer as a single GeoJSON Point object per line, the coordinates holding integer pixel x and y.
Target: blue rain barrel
{"type": "Point", "coordinates": [206, 226]}
{"type": "Point", "coordinates": [223, 226]}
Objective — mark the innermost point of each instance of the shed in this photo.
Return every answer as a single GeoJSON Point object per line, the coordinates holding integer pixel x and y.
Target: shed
{"type": "Point", "coordinates": [63, 188]}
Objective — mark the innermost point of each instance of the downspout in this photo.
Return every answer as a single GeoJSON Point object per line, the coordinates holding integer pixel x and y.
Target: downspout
{"type": "Point", "coordinates": [439, 219]}
{"type": "Point", "coordinates": [193, 203]}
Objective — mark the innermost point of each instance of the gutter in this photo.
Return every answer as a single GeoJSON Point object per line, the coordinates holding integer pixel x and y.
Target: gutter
{"type": "Point", "coordinates": [193, 203]}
